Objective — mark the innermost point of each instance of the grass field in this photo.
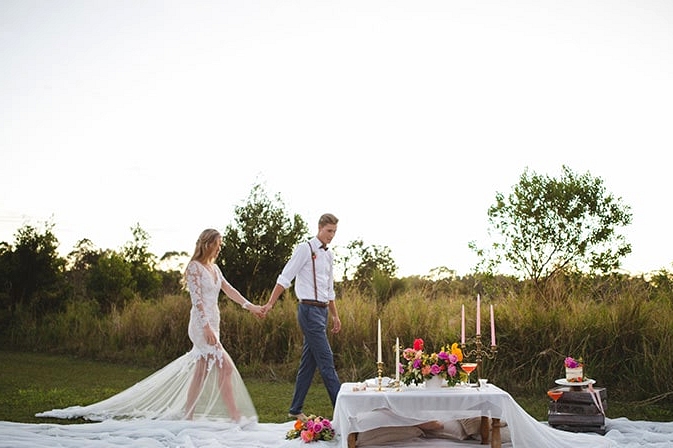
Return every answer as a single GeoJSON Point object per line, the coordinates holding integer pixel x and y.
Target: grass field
{"type": "Point", "coordinates": [32, 383]}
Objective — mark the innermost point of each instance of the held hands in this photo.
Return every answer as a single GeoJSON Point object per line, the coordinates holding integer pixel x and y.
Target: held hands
{"type": "Point", "coordinates": [266, 308]}
{"type": "Point", "coordinates": [257, 310]}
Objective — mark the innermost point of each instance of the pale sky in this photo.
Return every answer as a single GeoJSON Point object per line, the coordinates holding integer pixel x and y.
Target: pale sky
{"type": "Point", "coordinates": [403, 118]}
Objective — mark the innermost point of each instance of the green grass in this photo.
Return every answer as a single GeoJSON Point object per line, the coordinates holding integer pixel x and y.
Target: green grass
{"type": "Point", "coordinates": [33, 382]}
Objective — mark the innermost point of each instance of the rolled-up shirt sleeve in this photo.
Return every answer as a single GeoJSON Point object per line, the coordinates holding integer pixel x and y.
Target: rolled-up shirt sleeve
{"type": "Point", "coordinates": [299, 259]}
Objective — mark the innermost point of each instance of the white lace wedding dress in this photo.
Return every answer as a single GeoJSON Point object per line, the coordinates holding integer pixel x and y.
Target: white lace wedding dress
{"type": "Point", "coordinates": [163, 395]}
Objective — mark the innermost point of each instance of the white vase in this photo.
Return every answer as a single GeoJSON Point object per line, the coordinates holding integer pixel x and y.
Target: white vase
{"type": "Point", "coordinates": [434, 383]}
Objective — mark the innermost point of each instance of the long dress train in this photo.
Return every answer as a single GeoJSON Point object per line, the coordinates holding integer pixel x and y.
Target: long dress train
{"type": "Point", "coordinates": [165, 394]}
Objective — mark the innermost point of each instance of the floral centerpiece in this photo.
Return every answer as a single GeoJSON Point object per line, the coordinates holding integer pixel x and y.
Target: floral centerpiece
{"type": "Point", "coordinates": [418, 366]}
{"type": "Point", "coordinates": [574, 369]}
{"type": "Point", "coordinates": [313, 429]}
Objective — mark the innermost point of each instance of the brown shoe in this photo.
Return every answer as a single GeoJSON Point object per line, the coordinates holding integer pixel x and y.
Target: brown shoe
{"type": "Point", "coordinates": [301, 416]}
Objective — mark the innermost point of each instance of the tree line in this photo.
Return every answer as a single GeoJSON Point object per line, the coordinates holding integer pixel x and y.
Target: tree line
{"type": "Point", "coordinates": [34, 278]}
{"type": "Point", "coordinates": [543, 227]}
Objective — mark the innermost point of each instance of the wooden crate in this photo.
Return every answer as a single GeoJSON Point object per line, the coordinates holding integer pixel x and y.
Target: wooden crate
{"type": "Point", "coordinates": [575, 411]}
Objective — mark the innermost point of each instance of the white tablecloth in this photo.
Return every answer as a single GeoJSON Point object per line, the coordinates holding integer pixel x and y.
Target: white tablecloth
{"type": "Point", "coordinates": [363, 410]}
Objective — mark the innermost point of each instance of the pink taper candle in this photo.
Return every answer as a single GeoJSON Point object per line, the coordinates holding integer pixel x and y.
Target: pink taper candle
{"type": "Point", "coordinates": [462, 324]}
{"type": "Point", "coordinates": [478, 315]}
{"type": "Point", "coordinates": [492, 327]}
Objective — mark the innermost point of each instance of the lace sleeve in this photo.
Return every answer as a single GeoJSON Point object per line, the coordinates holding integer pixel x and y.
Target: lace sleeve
{"type": "Point", "coordinates": [194, 279]}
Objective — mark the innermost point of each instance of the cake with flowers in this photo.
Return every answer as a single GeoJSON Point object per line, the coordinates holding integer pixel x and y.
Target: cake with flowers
{"type": "Point", "coordinates": [574, 370]}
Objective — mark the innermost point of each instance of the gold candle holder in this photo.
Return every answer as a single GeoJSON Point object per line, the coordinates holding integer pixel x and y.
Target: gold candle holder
{"type": "Point", "coordinates": [379, 368]}
{"type": "Point", "coordinates": [479, 353]}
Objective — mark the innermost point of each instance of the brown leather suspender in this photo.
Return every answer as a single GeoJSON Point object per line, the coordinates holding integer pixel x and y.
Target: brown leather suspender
{"type": "Point", "coordinates": [315, 283]}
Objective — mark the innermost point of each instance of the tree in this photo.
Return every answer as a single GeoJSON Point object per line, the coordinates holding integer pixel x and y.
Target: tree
{"type": "Point", "coordinates": [257, 246]}
{"type": "Point", "coordinates": [110, 281]}
{"type": "Point", "coordinates": [34, 274]}
{"type": "Point", "coordinates": [369, 261]}
{"type": "Point", "coordinates": [147, 280]}
{"type": "Point", "coordinates": [374, 269]}
{"type": "Point", "coordinates": [546, 225]}
{"type": "Point", "coordinates": [81, 260]}
{"type": "Point", "coordinates": [171, 267]}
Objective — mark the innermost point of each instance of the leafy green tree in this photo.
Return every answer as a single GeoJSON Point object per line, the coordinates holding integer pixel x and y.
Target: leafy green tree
{"type": "Point", "coordinates": [5, 281]}
{"type": "Point", "coordinates": [256, 247]}
{"type": "Point", "coordinates": [34, 272]}
{"type": "Point", "coordinates": [80, 261]}
{"type": "Point", "coordinates": [110, 281]}
{"type": "Point", "coordinates": [373, 269]}
{"type": "Point", "coordinates": [546, 225]}
{"type": "Point", "coordinates": [147, 280]}
{"type": "Point", "coordinates": [84, 255]}
{"type": "Point", "coordinates": [368, 261]}
{"type": "Point", "coordinates": [171, 267]}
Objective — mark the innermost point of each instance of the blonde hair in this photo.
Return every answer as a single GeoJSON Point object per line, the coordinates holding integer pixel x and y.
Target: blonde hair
{"type": "Point", "coordinates": [204, 245]}
{"type": "Point", "coordinates": [327, 218]}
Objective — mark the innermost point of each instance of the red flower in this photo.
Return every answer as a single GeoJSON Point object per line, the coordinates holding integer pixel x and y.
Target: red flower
{"type": "Point", "coordinates": [418, 344]}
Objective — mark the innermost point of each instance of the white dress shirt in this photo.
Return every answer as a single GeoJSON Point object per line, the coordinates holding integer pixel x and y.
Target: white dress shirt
{"type": "Point", "coordinates": [300, 268]}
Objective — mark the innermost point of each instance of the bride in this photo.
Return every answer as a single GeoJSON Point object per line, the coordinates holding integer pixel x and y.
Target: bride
{"type": "Point", "coordinates": [201, 384]}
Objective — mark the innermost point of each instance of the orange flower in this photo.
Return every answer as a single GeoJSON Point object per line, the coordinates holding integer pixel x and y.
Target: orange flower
{"type": "Point", "coordinates": [298, 425]}
{"type": "Point", "coordinates": [455, 350]}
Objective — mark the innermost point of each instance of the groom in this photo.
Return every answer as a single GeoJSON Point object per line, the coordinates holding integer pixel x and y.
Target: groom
{"type": "Point", "coordinates": [311, 265]}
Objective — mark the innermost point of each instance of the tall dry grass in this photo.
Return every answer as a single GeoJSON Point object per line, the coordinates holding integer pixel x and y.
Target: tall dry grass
{"type": "Point", "coordinates": [623, 331]}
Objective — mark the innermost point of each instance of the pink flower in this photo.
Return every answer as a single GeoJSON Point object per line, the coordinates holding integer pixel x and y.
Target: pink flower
{"type": "Point", "coordinates": [307, 436]}
{"type": "Point", "coordinates": [453, 358]}
{"type": "Point", "coordinates": [435, 369]}
{"type": "Point", "coordinates": [317, 427]}
{"type": "Point", "coordinates": [571, 363]}
{"type": "Point", "coordinates": [409, 353]}
{"type": "Point", "coordinates": [451, 370]}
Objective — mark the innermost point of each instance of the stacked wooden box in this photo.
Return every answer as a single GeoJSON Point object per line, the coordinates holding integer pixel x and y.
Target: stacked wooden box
{"type": "Point", "coordinates": [576, 411]}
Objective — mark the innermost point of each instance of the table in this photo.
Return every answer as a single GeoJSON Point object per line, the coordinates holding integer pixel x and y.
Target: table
{"type": "Point", "coordinates": [361, 410]}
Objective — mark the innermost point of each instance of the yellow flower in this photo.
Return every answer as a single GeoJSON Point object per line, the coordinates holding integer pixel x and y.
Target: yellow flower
{"type": "Point", "coordinates": [455, 350]}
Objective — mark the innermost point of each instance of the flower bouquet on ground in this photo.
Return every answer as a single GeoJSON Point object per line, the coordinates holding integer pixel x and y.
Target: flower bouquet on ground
{"type": "Point", "coordinates": [418, 366]}
{"type": "Point", "coordinates": [312, 430]}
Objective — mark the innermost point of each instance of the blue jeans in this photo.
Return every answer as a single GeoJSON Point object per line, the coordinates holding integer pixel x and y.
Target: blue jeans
{"type": "Point", "coordinates": [316, 352]}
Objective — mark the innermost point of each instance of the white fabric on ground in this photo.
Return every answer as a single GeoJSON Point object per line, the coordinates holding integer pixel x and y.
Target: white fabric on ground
{"type": "Point", "coordinates": [622, 432]}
